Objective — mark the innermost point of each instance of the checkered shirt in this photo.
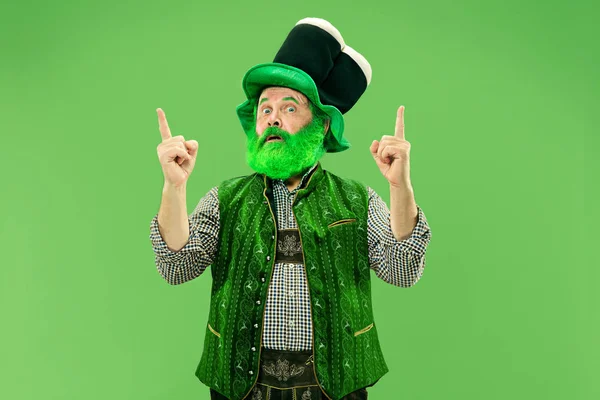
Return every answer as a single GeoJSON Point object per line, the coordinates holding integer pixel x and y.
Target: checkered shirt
{"type": "Point", "coordinates": [287, 324]}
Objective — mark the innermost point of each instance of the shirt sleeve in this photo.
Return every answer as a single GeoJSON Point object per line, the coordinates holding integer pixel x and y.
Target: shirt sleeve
{"type": "Point", "coordinates": [189, 262]}
{"type": "Point", "coordinates": [400, 263]}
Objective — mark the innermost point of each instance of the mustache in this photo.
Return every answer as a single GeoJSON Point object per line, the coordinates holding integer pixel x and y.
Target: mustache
{"type": "Point", "coordinates": [273, 130]}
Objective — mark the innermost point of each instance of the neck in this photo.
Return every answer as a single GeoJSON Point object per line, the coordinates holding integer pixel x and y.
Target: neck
{"type": "Point", "coordinates": [293, 181]}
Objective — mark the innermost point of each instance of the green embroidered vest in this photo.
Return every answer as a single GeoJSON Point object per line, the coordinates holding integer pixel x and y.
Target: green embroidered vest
{"type": "Point", "coordinates": [331, 213]}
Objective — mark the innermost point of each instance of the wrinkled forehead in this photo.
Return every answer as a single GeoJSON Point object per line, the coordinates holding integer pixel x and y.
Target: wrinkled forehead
{"type": "Point", "coordinates": [275, 93]}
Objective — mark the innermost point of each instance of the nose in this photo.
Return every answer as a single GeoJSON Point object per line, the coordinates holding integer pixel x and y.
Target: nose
{"type": "Point", "coordinates": [274, 119]}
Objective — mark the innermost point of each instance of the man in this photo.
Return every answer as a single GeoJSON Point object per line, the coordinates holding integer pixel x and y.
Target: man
{"type": "Point", "coordinates": [292, 245]}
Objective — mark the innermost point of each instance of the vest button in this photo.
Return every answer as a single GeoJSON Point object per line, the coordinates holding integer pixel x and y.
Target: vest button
{"type": "Point", "coordinates": [256, 325]}
{"type": "Point", "coordinates": [268, 258]}
{"type": "Point", "coordinates": [254, 349]}
{"type": "Point", "coordinates": [257, 301]}
{"type": "Point", "coordinates": [273, 237]}
{"type": "Point", "coordinates": [262, 279]}
{"type": "Point", "coordinates": [250, 372]}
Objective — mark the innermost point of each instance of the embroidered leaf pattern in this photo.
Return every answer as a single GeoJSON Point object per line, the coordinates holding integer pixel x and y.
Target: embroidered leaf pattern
{"type": "Point", "coordinates": [282, 370]}
{"type": "Point", "coordinates": [289, 246]}
{"type": "Point", "coordinates": [257, 394]}
{"type": "Point", "coordinates": [307, 394]}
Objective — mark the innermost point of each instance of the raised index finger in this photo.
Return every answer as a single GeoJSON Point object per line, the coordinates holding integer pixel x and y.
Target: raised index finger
{"type": "Point", "coordinates": [400, 123]}
{"type": "Point", "coordinates": [165, 132]}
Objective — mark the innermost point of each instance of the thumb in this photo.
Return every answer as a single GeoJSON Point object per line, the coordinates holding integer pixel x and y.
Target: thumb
{"type": "Point", "coordinates": [374, 147]}
{"type": "Point", "coordinates": [192, 145]}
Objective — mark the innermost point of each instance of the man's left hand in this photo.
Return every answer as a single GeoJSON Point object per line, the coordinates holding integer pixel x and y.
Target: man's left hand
{"type": "Point", "coordinates": [392, 155]}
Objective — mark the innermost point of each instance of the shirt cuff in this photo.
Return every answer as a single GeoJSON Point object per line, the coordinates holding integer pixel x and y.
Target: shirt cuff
{"type": "Point", "coordinates": [419, 237]}
{"type": "Point", "coordinates": [160, 246]}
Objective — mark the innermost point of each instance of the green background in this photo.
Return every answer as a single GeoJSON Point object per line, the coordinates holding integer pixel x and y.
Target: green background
{"type": "Point", "coordinates": [501, 104]}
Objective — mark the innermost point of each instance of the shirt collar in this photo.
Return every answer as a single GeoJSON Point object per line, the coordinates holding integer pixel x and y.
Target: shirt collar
{"type": "Point", "coordinates": [308, 182]}
{"type": "Point", "coordinates": [303, 180]}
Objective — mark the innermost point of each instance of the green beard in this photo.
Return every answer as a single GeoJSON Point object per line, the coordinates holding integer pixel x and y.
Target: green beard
{"type": "Point", "coordinates": [290, 157]}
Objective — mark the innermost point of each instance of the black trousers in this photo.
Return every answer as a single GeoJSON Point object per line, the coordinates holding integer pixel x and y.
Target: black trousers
{"type": "Point", "coordinates": [288, 375]}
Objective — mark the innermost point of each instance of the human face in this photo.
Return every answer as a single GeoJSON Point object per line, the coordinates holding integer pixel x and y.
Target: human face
{"type": "Point", "coordinates": [289, 156]}
{"type": "Point", "coordinates": [283, 108]}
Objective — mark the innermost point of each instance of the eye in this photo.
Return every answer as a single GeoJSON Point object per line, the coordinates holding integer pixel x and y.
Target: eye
{"type": "Point", "coordinates": [266, 111]}
{"type": "Point", "coordinates": [291, 109]}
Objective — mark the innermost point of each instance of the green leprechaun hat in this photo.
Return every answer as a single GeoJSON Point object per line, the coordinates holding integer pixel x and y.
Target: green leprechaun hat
{"type": "Point", "coordinates": [313, 60]}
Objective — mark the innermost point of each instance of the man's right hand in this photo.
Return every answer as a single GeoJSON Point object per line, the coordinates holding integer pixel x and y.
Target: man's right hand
{"type": "Point", "coordinates": [176, 155]}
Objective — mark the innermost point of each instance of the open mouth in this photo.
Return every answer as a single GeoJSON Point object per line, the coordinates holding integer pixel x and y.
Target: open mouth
{"type": "Point", "coordinates": [274, 138]}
